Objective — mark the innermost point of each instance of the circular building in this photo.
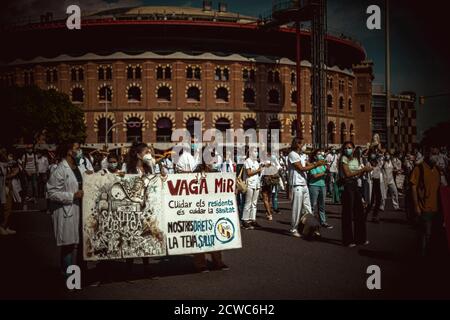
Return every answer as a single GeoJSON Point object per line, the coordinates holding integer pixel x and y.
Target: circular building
{"type": "Point", "coordinates": [146, 71]}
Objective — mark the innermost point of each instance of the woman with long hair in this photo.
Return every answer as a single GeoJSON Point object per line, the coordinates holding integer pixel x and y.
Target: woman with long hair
{"type": "Point", "coordinates": [353, 214]}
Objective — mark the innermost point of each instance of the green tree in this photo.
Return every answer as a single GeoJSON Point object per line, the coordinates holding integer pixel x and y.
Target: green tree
{"type": "Point", "coordinates": [27, 111]}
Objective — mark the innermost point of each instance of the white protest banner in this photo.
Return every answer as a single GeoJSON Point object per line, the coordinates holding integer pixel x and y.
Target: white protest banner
{"type": "Point", "coordinates": [201, 213]}
{"type": "Point", "coordinates": [122, 217]}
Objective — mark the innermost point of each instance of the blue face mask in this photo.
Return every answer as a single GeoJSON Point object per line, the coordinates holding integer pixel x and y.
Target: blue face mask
{"type": "Point", "coordinates": [348, 152]}
{"type": "Point", "coordinates": [320, 157]}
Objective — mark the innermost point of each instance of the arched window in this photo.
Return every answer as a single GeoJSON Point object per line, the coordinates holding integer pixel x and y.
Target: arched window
{"type": "Point", "coordinates": [48, 76]}
{"type": "Point", "coordinates": [341, 103]}
{"type": "Point", "coordinates": [343, 133]}
{"type": "Point", "coordinates": [276, 77]}
{"type": "Point", "coordinates": [252, 75]}
{"type": "Point", "coordinates": [103, 124]}
{"type": "Point", "coordinates": [197, 73]}
{"type": "Point", "coordinates": [249, 95]}
{"type": "Point", "coordinates": [193, 94]}
{"type": "Point", "coordinates": [130, 73]}
{"type": "Point", "coordinates": [245, 75]}
{"type": "Point", "coordinates": [163, 130]}
{"type": "Point", "coordinates": [190, 125]}
{"type": "Point", "coordinates": [105, 94]}
{"type": "Point", "coordinates": [77, 95]}
{"type": "Point", "coordinates": [273, 125]}
{"type": "Point", "coordinates": [73, 74]}
{"type": "Point", "coordinates": [164, 93]}
{"type": "Point", "coordinates": [101, 73]}
{"type": "Point", "coordinates": [134, 94]}
{"type": "Point", "coordinates": [134, 130]}
{"type": "Point", "coordinates": [80, 74]}
{"type": "Point", "coordinates": [350, 106]}
{"type": "Point", "coordinates": [218, 74]}
{"type": "Point", "coordinates": [189, 73]}
{"type": "Point", "coordinates": [168, 72]}
{"type": "Point", "coordinates": [159, 73]}
{"type": "Point", "coordinates": [294, 128]}
{"type": "Point", "coordinates": [293, 77]}
{"type": "Point", "coordinates": [222, 94]}
{"type": "Point", "coordinates": [294, 96]}
{"type": "Point", "coordinates": [222, 124]}
{"type": "Point", "coordinates": [274, 96]}
{"type": "Point", "coordinates": [226, 74]}
{"type": "Point", "coordinates": [329, 101]}
{"type": "Point", "coordinates": [138, 72]}
{"type": "Point", "coordinates": [108, 73]}
{"type": "Point", "coordinates": [330, 132]}
{"type": "Point", "coordinates": [249, 123]}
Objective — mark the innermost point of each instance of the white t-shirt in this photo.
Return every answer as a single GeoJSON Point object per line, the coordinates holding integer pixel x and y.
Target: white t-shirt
{"type": "Point", "coordinates": [186, 162]}
{"type": "Point", "coordinates": [42, 164]}
{"type": "Point", "coordinates": [104, 163]}
{"type": "Point", "coordinates": [388, 170]}
{"type": "Point", "coordinates": [333, 160]}
{"type": "Point", "coordinates": [254, 181]}
{"type": "Point", "coordinates": [297, 178]}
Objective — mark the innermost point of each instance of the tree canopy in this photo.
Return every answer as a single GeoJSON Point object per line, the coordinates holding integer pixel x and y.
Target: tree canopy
{"type": "Point", "coordinates": [28, 111]}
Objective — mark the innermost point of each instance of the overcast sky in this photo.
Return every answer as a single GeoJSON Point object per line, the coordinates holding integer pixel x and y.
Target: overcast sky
{"type": "Point", "coordinates": [420, 43]}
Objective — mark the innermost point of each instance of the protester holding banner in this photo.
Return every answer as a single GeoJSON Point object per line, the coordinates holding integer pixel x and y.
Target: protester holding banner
{"type": "Point", "coordinates": [65, 192]}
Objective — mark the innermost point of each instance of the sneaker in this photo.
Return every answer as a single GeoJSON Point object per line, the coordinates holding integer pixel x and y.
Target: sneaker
{"type": "Point", "coordinates": [269, 217]}
{"type": "Point", "coordinates": [351, 245]}
{"type": "Point", "coordinates": [366, 243]}
{"type": "Point", "coordinates": [10, 231]}
{"type": "Point", "coordinates": [247, 226]}
{"type": "Point", "coordinates": [317, 233]}
{"type": "Point", "coordinates": [296, 234]}
{"type": "Point", "coordinates": [326, 226]}
{"type": "Point", "coordinates": [3, 232]}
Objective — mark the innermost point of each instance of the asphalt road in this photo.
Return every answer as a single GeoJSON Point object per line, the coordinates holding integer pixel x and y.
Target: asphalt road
{"type": "Point", "coordinates": [271, 265]}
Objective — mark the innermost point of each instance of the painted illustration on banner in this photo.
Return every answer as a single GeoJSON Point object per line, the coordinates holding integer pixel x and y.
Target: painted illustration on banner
{"type": "Point", "coordinates": [122, 217]}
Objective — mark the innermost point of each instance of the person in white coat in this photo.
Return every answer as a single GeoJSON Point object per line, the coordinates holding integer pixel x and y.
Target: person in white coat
{"type": "Point", "coordinates": [65, 193]}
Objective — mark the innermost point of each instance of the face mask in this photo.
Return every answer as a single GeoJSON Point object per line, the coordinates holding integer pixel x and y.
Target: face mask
{"type": "Point", "coordinates": [320, 157]}
{"type": "Point", "coordinates": [333, 151]}
{"type": "Point", "coordinates": [78, 155]}
{"type": "Point", "coordinates": [148, 159]}
{"type": "Point", "coordinates": [303, 149]}
{"type": "Point", "coordinates": [387, 157]}
{"type": "Point", "coordinates": [348, 152]}
{"type": "Point", "coordinates": [112, 166]}
{"type": "Point", "coordinates": [373, 156]}
{"type": "Point", "coordinates": [434, 160]}
{"type": "Point", "coordinates": [255, 154]}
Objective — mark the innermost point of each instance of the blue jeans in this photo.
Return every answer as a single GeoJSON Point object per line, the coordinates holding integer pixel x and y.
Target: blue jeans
{"type": "Point", "coordinates": [275, 197]}
{"type": "Point", "coordinates": [317, 195]}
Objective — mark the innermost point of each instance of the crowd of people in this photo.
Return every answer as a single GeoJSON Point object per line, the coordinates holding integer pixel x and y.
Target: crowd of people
{"type": "Point", "coordinates": [361, 179]}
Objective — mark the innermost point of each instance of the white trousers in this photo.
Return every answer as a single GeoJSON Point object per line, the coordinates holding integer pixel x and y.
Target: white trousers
{"type": "Point", "coordinates": [392, 189]}
{"type": "Point", "coordinates": [251, 201]}
{"type": "Point", "coordinates": [301, 204]}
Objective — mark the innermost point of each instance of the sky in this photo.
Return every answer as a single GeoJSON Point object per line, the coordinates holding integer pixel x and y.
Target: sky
{"type": "Point", "coordinates": [420, 44]}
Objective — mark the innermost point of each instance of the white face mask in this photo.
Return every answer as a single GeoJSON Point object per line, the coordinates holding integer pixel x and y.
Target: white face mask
{"type": "Point", "coordinates": [303, 148]}
{"type": "Point", "coordinates": [148, 159]}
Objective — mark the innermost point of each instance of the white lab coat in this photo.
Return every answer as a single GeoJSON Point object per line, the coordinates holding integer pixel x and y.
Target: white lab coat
{"type": "Point", "coordinates": [61, 187]}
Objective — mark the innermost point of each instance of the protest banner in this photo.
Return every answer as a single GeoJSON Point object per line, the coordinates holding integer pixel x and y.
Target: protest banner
{"type": "Point", "coordinates": [201, 213]}
{"type": "Point", "coordinates": [122, 217]}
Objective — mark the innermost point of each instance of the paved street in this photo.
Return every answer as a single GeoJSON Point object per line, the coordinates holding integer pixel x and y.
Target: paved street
{"type": "Point", "coordinates": [271, 265]}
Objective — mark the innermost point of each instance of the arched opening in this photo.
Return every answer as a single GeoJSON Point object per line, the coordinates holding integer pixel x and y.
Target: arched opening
{"type": "Point", "coordinates": [105, 94]}
{"type": "Point", "coordinates": [276, 77]}
{"type": "Point", "coordinates": [134, 130]}
{"type": "Point", "coordinates": [197, 73]}
{"type": "Point", "coordinates": [274, 125]}
{"type": "Point", "coordinates": [77, 95]}
{"type": "Point", "coordinates": [190, 125]}
{"type": "Point", "coordinates": [134, 94]}
{"type": "Point", "coordinates": [294, 128]}
{"type": "Point", "coordinates": [352, 133]}
{"type": "Point", "coordinates": [103, 124]}
{"type": "Point", "coordinates": [164, 94]}
{"type": "Point", "coordinates": [193, 94]}
{"type": "Point", "coordinates": [130, 73]}
{"type": "Point", "coordinates": [222, 124]}
{"type": "Point", "coordinates": [341, 103]}
{"type": "Point", "coordinates": [249, 123]}
{"type": "Point", "coordinates": [343, 133]}
{"type": "Point", "coordinates": [138, 72]}
{"type": "Point", "coordinates": [226, 74]}
{"type": "Point", "coordinates": [159, 73]}
{"type": "Point", "coordinates": [329, 101]}
{"type": "Point", "coordinates": [163, 130]}
{"type": "Point", "coordinates": [222, 94]}
{"type": "Point", "coordinates": [249, 95]}
{"type": "Point", "coordinates": [189, 73]}
{"type": "Point", "coordinates": [330, 133]}
{"type": "Point", "coordinates": [350, 106]}
{"type": "Point", "coordinates": [294, 97]}
{"type": "Point", "coordinates": [274, 96]}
